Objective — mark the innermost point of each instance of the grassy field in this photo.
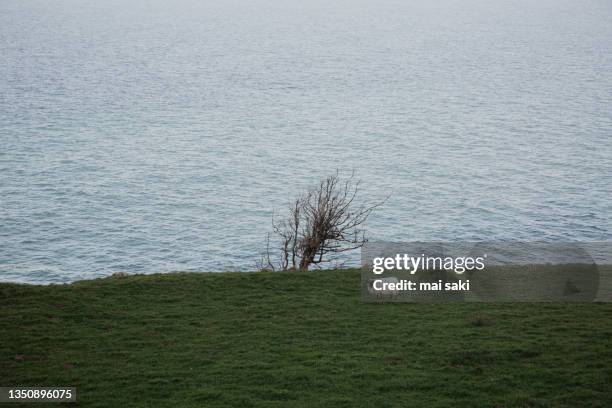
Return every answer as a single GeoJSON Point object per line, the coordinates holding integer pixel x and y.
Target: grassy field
{"type": "Point", "coordinates": [296, 339]}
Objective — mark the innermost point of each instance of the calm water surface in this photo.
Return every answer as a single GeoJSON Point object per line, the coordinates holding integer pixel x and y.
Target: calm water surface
{"type": "Point", "coordinates": [153, 136]}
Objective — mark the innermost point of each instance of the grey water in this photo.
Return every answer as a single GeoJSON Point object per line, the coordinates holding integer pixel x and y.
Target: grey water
{"type": "Point", "coordinates": [155, 136]}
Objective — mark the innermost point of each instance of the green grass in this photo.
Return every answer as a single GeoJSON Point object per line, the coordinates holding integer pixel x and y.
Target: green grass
{"type": "Point", "coordinates": [297, 340]}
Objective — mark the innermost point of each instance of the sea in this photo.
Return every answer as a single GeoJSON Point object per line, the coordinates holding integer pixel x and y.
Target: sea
{"type": "Point", "coordinates": [147, 136]}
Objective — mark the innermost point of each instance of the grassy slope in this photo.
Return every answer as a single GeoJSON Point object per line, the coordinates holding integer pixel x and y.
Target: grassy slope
{"type": "Point", "coordinates": [297, 339]}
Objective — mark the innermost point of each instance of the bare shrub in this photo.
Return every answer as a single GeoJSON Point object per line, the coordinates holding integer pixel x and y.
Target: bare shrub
{"type": "Point", "coordinates": [320, 224]}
